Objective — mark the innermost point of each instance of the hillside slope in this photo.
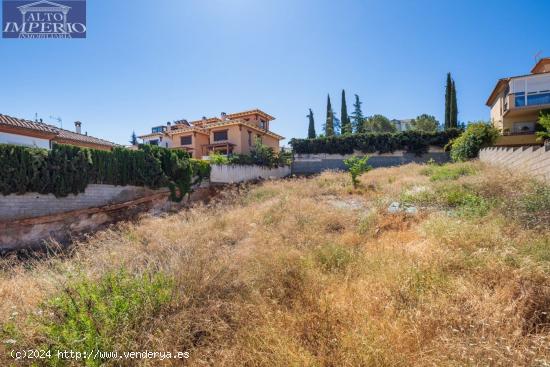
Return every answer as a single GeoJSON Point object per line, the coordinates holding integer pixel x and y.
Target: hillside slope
{"type": "Point", "coordinates": [307, 272]}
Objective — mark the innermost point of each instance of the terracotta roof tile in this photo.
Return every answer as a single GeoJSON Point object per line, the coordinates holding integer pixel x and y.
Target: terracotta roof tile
{"type": "Point", "coordinates": [25, 124]}
{"type": "Point", "coordinates": [59, 133]}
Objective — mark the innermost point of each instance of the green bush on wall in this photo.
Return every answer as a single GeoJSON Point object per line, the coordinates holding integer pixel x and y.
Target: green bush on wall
{"type": "Point", "coordinates": [67, 169]}
{"type": "Point", "coordinates": [412, 141]}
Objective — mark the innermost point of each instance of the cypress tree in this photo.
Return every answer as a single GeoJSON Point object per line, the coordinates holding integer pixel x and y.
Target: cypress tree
{"type": "Point", "coordinates": [311, 130]}
{"type": "Point", "coordinates": [133, 138]}
{"type": "Point", "coordinates": [448, 93]}
{"type": "Point", "coordinates": [454, 106]}
{"type": "Point", "coordinates": [346, 124]}
{"type": "Point", "coordinates": [329, 126]}
{"type": "Point", "coordinates": [358, 118]}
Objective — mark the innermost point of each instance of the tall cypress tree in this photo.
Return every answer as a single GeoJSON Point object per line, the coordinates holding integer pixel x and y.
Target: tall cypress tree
{"type": "Point", "coordinates": [133, 138]}
{"type": "Point", "coordinates": [448, 95]}
{"type": "Point", "coordinates": [329, 125]}
{"type": "Point", "coordinates": [346, 124]}
{"type": "Point", "coordinates": [311, 130]}
{"type": "Point", "coordinates": [358, 118]}
{"type": "Point", "coordinates": [454, 106]}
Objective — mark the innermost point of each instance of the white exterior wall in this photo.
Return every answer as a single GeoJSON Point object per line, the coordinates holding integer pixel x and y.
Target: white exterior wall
{"type": "Point", "coordinates": [29, 141]}
{"type": "Point", "coordinates": [238, 173]}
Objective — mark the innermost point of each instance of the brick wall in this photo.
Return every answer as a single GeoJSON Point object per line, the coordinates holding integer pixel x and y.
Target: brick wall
{"type": "Point", "coordinates": [35, 205]}
{"type": "Point", "coordinates": [534, 161]}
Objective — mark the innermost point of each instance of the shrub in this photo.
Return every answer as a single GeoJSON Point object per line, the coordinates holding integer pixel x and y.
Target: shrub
{"type": "Point", "coordinates": [544, 134]}
{"type": "Point", "coordinates": [333, 257]}
{"type": "Point", "coordinates": [261, 155]}
{"type": "Point", "coordinates": [477, 136]}
{"type": "Point", "coordinates": [98, 315]}
{"type": "Point", "coordinates": [412, 141]}
{"type": "Point", "coordinates": [67, 169]}
{"type": "Point", "coordinates": [357, 166]}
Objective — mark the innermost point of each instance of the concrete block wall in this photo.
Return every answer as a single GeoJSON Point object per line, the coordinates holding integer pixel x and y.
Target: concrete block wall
{"type": "Point", "coordinates": [531, 160]}
{"type": "Point", "coordinates": [30, 205]}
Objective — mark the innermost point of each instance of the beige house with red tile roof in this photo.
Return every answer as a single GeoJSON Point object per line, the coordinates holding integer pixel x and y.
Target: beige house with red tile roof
{"type": "Point", "coordinates": [227, 134]}
{"type": "Point", "coordinates": [516, 103]}
{"type": "Point", "coordinates": [40, 135]}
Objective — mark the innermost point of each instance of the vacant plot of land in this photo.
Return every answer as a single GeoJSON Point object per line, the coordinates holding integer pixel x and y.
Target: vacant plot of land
{"type": "Point", "coordinates": [307, 272]}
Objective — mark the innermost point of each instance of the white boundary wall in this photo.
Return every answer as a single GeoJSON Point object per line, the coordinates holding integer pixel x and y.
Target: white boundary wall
{"type": "Point", "coordinates": [242, 173]}
{"type": "Point", "coordinates": [534, 161]}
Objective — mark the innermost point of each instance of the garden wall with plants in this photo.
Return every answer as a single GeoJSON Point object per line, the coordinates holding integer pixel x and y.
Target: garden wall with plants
{"type": "Point", "coordinates": [67, 169]}
{"type": "Point", "coordinates": [413, 142]}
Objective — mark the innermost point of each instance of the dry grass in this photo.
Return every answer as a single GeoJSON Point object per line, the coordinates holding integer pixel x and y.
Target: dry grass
{"type": "Point", "coordinates": [289, 273]}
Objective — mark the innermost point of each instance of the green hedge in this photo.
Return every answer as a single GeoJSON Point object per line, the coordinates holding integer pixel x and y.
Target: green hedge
{"type": "Point", "coordinates": [411, 141]}
{"type": "Point", "coordinates": [67, 169]}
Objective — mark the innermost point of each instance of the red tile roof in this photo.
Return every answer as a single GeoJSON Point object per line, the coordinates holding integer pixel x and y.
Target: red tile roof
{"type": "Point", "coordinates": [59, 133]}
{"type": "Point", "coordinates": [25, 124]}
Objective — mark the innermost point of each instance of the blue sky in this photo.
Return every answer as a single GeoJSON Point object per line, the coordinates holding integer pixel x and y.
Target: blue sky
{"type": "Point", "coordinates": [148, 62]}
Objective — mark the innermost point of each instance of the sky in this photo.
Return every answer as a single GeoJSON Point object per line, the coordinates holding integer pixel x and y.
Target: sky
{"type": "Point", "coordinates": [145, 63]}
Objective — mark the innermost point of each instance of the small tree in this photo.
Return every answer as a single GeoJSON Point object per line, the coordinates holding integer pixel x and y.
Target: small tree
{"type": "Point", "coordinates": [134, 139]}
{"type": "Point", "coordinates": [357, 166]}
{"type": "Point", "coordinates": [311, 129]}
{"type": "Point", "coordinates": [544, 121]}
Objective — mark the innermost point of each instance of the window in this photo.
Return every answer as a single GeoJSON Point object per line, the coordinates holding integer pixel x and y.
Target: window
{"type": "Point", "coordinates": [520, 99]}
{"type": "Point", "coordinates": [154, 142]}
{"type": "Point", "coordinates": [262, 124]}
{"type": "Point", "coordinates": [158, 129]}
{"type": "Point", "coordinates": [250, 138]}
{"type": "Point", "coordinates": [220, 135]}
{"type": "Point", "coordinates": [539, 98]}
{"type": "Point", "coordinates": [186, 140]}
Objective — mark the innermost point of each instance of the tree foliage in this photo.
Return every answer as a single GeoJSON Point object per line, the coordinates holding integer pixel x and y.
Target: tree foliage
{"type": "Point", "coordinates": [260, 155]}
{"type": "Point", "coordinates": [477, 135]}
{"type": "Point", "coordinates": [357, 117]}
{"type": "Point", "coordinates": [544, 121]}
{"type": "Point", "coordinates": [345, 121]}
{"type": "Point", "coordinates": [133, 139]}
{"type": "Point", "coordinates": [412, 141]}
{"type": "Point", "coordinates": [379, 124]}
{"type": "Point", "coordinates": [329, 125]}
{"type": "Point", "coordinates": [311, 129]}
{"type": "Point", "coordinates": [451, 106]}
{"type": "Point", "coordinates": [425, 123]}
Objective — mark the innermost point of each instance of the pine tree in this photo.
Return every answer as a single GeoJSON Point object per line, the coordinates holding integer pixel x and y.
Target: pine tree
{"type": "Point", "coordinates": [448, 93]}
{"type": "Point", "coordinates": [329, 126]}
{"type": "Point", "coordinates": [454, 106]}
{"type": "Point", "coordinates": [346, 124]}
{"type": "Point", "coordinates": [133, 139]}
{"type": "Point", "coordinates": [358, 118]}
{"type": "Point", "coordinates": [311, 130]}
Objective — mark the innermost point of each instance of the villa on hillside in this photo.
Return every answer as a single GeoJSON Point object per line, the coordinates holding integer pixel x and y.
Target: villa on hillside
{"type": "Point", "coordinates": [516, 103]}
{"type": "Point", "coordinates": [37, 134]}
{"type": "Point", "coordinates": [227, 134]}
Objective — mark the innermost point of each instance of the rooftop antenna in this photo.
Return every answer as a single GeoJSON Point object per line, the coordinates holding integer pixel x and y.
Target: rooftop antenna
{"type": "Point", "coordinates": [36, 117]}
{"type": "Point", "coordinates": [537, 56]}
{"type": "Point", "coordinates": [59, 120]}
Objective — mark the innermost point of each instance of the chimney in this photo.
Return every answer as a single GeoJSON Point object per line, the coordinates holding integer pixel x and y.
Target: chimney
{"type": "Point", "coordinates": [224, 116]}
{"type": "Point", "coordinates": [78, 126]}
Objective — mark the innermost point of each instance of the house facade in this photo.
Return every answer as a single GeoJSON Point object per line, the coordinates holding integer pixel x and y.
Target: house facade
{"type": "Point", "coordinates": [37, 134]}
{"type": "Point", "coordinates": [234, 133]}
{"type": "Point", "coordinates": [516, 103]}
